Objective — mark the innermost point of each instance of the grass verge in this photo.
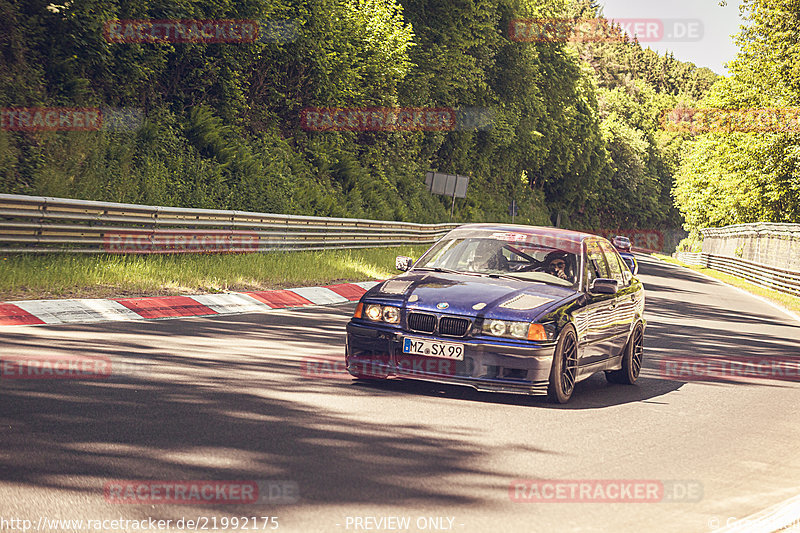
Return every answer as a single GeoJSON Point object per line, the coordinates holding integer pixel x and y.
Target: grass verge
{"type": "Point", "coordinates": [37, 276]}
{"type": "Point", "coordinates": [785, 300]}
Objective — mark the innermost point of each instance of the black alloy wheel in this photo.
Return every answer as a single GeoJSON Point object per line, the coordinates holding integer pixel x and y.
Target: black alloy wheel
{"type": "Point", "coordinates": [631, 361]}
{"type": "Point", "coordinates": [565, 367]}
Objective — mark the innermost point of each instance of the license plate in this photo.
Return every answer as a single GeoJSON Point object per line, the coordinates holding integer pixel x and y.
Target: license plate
{"type": "Point", "coordinates": [445, 350]}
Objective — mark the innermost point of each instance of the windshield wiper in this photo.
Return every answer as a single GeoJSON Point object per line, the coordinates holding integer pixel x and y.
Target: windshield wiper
{"type": "Point", "coordinates": [446, 271]}
{"type": "Point", "coordinates": [502, 276]}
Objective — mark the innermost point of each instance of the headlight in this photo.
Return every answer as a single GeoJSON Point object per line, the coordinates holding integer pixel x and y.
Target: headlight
{"type": "Point", "coordinates": [382, 313]}
{"type": "Point", "coordinates": [391, 314]}
{"type": "Point", "coordinates": [374, 312]}
{"type": "Point", "coordinates": [504, 328]}
{"type": "Point", "coordinates": [497, 327]}
{"type": "Point", "coordinates": [516, 330]}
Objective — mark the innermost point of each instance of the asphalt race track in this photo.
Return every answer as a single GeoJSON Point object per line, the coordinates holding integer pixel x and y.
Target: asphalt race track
{"type": "Point", "coordinates": [244, 397]}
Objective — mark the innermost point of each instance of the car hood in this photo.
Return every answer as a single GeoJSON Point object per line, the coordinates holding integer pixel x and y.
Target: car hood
{"type": "Point", "coordinates": [471, 295]}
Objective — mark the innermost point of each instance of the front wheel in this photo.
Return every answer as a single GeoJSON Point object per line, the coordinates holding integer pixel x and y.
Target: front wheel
{"type": "Point", "coordinates": [631, 361]}
{"type": "Point", "coordinates": [565, 367]}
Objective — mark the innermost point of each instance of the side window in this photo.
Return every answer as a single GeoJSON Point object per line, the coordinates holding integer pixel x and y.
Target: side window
{"type": "Point", "coordinates": [613, 263]}
{"type": "Point", "coordinates": [596, 266]}
{"type": "Point", "coordinates": [627, 275]}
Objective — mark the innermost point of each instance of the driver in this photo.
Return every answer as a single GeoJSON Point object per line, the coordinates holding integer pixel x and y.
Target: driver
{"type": "Point", "coordinates": [557, 264]}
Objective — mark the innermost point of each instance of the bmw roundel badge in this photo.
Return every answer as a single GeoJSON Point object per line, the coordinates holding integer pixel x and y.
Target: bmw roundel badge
{"type": "Point", "coordinates": [442, 305]}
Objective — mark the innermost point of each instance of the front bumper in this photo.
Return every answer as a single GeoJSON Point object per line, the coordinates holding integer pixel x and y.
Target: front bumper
{"type": "Point", "coordinates": [504, 365]}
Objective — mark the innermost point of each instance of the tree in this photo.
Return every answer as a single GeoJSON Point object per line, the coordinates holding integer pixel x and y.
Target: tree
{"type": "Point", "coordinates": [736, 177]}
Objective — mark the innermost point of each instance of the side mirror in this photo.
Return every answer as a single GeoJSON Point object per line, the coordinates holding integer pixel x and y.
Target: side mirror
{"type": "Point", "coordinates": [603, 286]}
{"type": "Point", "coordinates": [403, 263]}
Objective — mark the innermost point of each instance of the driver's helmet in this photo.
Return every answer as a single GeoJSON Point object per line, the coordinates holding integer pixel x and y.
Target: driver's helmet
{"type": "Point", "coordinates": [559, 264]}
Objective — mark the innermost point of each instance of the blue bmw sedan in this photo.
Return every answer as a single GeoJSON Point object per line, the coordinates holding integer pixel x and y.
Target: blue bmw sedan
{"type": "Point", "coordinates": [503, 308]}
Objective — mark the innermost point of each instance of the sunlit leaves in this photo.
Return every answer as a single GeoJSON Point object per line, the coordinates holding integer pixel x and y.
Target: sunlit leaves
{"type": "Point", "coordinates": [729, 178]}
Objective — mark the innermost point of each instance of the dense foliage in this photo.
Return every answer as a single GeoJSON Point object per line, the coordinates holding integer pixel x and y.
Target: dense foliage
{"type": "Point", "coordinates": [575, 136]}
{"type": "Point", "coordinates": [732, 177]}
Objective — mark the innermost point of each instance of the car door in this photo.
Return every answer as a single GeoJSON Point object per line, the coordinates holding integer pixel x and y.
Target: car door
{"type": "Point", "coordinates": [630, 300]}
{"type": "Point", "coordinates": [594, 321]}
{"type": "Point", "coordinates": [622, 308]}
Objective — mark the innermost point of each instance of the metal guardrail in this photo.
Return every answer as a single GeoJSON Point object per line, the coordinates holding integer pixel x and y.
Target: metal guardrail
{"type": "Point", "coordinates": [43, 224]}
{"type": "Point", "coordinates": [759, 274]}
{"type": "Point", "coordinates": [691, 258]}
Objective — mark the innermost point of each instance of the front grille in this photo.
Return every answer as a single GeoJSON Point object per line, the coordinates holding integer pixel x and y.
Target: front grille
{"type": "Point", "coordinates": [422, 322]}
{"type": "Point", "coordinates": [454, 327]}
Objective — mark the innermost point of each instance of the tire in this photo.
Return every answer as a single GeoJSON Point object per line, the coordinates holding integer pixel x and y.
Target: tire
{"type": "Point", "coordinates": [631, 360]}
{"type": "Point", "coordinates": [565, 366]}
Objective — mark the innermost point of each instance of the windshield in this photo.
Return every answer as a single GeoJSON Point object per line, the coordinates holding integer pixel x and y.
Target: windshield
{"type": "Point", "coordinates": [502, 254]}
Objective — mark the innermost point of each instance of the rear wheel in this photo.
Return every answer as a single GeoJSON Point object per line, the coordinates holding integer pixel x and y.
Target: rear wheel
{"type": "Point", "coordinates": [565, 367]}
{"type": "Point", "coordinates": [631, 360]}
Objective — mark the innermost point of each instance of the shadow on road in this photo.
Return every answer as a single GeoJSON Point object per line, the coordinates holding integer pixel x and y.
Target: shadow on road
{"type": "Point", "coordinates": [182, 408]}
{"type": "Point", "coordinates": [709, 322]}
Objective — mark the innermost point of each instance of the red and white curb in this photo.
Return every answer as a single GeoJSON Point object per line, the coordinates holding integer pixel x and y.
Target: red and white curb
{"type": "Point", "coordinates": [84, 310]}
